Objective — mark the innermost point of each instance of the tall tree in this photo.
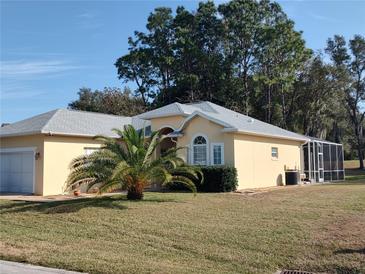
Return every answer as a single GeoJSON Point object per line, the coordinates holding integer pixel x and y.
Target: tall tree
{"type": "Point", "coordinates": [349, 61]}
{"type": "Point", "coordinates": [215, 53]}
{"type": "Point", "coordinates": [136, 67]}
{"type": "Point", "coordinates": [318, 101]}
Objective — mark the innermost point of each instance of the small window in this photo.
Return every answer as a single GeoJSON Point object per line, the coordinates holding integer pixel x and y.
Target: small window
{"type": "Point", "coordinates": [217, 154]}
{"type": "Point", "coordinates": [274, 153]}
{"type": "Point", "coordinates": [147, 131]}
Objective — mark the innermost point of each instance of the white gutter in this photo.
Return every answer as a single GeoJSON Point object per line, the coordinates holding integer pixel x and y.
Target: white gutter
{"type": "Point", "coordinates": [235, 130]}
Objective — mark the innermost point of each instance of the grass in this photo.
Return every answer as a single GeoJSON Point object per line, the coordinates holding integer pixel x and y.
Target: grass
{"type": "Point", "coordinates": [351, 164]}
{"type": "Point", "coordinates": [352, 170]}
{"type": "Point", "coordinates": [317, 228]}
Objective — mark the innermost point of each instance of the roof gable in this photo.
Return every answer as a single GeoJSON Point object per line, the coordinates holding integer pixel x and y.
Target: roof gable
{"type": "Point", "coordinates": [203, 115]}
{"type": "Point", "coordinates": [32, 125]}
{"type": "Point", "coordinates": [173, 109]}
{"type": "Point", "coordinates": [231, 120]}
{"type": "Point", "coordinates": [71, 122]}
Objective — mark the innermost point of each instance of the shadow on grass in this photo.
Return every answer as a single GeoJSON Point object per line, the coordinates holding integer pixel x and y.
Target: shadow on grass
{"type": "Point", "coordinates": [70, 206]}
{"type": "Point", "coordinates": [350, 251]}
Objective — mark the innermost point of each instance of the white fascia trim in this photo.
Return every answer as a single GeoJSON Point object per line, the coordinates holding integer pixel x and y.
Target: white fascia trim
{"type": "Point", "coordinates": [54, 133]}
{"type": "Point", "coordinates": [198, 113]}
{"type": "Point", "coordinates": [147, 117]}
{"type": "Point", "coordinates": [18, 149]}
{"type": "Point", "coordinates": [48, 133]}
{"type": "Point", "coordinates": [265, 135]}
{"type": "Point", "coordinates": [171, 135]}
{"type": "Point", "coordinates": [20, 134]}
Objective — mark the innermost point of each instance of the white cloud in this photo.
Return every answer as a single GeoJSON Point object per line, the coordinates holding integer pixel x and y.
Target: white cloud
{"type": "Point", "coordinates": [12, 90]}
{"type": "Point", "coordinates": [20, 68]}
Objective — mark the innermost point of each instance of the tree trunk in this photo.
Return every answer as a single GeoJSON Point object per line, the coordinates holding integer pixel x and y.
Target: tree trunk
{"type": "Point", "coordinates": [283, 109]}
{"type": "Point", "coordinates": [359, 150]}
{"type": "Point", "coordinates": [361, 160]}
{"type": "Point", "coordinates": [135, 192]}
{"type": "Point", "coordinates": [268, 109]}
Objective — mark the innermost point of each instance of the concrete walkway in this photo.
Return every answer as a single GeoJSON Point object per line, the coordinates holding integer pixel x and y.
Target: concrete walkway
{"type": "Point", "coordinates": [19, 268]}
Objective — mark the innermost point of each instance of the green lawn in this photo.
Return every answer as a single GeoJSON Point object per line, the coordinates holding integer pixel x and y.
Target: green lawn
{"type": "Point", "coordinates": [314, 228]}
{"type": "Point", "coordinates": [352, 170]}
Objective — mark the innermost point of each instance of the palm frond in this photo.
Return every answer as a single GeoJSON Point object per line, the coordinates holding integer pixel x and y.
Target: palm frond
{"type": "Point", "coordinates": [182, 180]}
{"type": "Point", "coordinates": [128, 162]}
{"type": "Point", "coordinates": [151, 147]}
{"type": "Point", "coordinates": [109, 187]}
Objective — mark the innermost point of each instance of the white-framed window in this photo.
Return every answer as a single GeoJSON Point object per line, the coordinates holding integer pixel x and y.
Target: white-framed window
{"type": "Point", "coordinates": [217, 154]}
{"type": "Point", "coordinates": [200, 150]}
{"type": "Point", "coordinates": [274, 153]}
{"type": "Point", "coordinates": [89, 150]}
{"type": "Point", "coordinates": [147, 131]}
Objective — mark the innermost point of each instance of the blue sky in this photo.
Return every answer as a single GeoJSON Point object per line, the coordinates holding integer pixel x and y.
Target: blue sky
{"type": "Point", "coordinates": [49, 49]}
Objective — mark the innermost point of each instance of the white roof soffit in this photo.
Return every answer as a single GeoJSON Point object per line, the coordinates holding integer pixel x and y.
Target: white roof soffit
{"type": "Point", "coordinates": [305, 140]}
{"type": "Point", "coordinates": [151, 116]}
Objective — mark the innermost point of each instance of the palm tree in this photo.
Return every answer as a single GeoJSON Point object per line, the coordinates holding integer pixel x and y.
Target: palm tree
{"type": "Point", "coordinates": [128, 163]}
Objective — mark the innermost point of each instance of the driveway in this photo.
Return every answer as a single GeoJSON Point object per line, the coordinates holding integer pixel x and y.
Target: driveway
{"type": "Point", "coordinates": [12, 268]}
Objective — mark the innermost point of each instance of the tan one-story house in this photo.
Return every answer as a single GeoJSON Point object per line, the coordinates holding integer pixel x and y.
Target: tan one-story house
{"type": "Point", "coordinates": [36, 152]}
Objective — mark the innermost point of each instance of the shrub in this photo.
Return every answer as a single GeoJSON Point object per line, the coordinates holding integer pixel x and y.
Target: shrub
{"type": "Point", "coordinates": [216, 179]}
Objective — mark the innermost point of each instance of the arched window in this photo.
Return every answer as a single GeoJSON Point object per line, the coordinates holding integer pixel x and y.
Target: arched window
{"type": "Point", "coordinates": [200, 151]}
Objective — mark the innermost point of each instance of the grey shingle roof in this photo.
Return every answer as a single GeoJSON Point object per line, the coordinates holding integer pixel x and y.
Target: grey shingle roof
{"type": "Point", "coordinates": [71, 122]}
{"type": "Point", "coordinates": [231, 120]}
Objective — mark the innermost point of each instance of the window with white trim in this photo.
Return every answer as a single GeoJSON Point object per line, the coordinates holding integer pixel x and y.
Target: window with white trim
{"type": "Point", "coordinates": [200, 151]}
{"type": "Point", "coordinates": [274, 153]}
{"type": "Point", "coordinates": [217, 153]}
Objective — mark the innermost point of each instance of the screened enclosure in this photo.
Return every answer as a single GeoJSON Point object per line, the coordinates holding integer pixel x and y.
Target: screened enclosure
{"type": "Point", "coordinates": [323, 161]}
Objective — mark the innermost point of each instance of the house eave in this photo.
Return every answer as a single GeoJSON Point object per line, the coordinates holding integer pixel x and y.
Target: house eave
{"type": "Point", "coordinates": [20, 134]}
{"type": "Point", "coordinates": [52, 133]}
{"type": "Point", "coordinates": [162, 115]}
{"type": "Point", "coordinates": [239, 131]}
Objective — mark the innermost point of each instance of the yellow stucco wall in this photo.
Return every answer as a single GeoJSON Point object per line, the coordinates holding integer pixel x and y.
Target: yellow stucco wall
{"type": "Point", "coordinates": [256, 167]}
{"type": "Point", "coordinates": [56, 153]}
{"type": "Point", "coordinates": [196, 126]}
{"type": "Point", "coordinates": [212, 131]}
{"type": "Point", "coordinates": [171, 121]}
{"type": "Point", "coordinates": [29, 141]}
{"type": "Point", "coordinates": [250, 154]}
{"type": "Point", "coordinates": [59, 152]}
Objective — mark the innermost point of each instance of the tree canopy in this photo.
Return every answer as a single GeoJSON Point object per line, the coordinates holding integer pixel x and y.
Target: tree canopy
{"type": "Point", "coordinates": [245, 55]}
{"type": "Point", "coordinates": [109, 100]}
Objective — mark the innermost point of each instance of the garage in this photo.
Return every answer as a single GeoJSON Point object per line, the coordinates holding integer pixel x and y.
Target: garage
{"type": "Point", "coordinates": [17, 170]}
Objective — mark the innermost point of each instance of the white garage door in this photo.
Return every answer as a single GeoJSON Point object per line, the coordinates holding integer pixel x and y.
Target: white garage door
{"type": "Point", "coordinates": [17, 171]}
